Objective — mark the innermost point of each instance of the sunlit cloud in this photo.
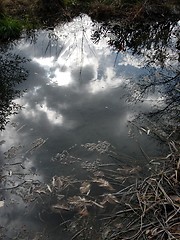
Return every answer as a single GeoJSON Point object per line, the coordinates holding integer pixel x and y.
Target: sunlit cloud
{"type": "Point", "coordinates": [108, 81]}
{"type": "Point", "coordinates": [60, 78]}
{"type": "Point", "coordinates": [45, 62]}
{"type": "Point", "coordinates": [129, 59]}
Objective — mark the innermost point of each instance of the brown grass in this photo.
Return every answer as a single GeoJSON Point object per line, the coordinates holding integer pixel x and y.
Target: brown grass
{"type": "Point", "coordinates": [98, 9]}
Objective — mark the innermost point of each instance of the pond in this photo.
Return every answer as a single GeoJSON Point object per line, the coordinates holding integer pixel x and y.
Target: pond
{"type": "Point", "coordinates": [73, 116]}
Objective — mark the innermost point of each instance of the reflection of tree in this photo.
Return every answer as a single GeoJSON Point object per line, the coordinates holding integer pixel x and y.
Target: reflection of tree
{"type": "Point", "coordinates": [167, 84]}
{"type": "Point", "coordinates": [140, 38]}
{"type": "Point", "coordinates": [12, 73]}
{"type": "Point", "coordinates": [158, 44]}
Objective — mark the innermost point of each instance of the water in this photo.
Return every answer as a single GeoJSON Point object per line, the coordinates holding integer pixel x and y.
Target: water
{"type": "Point", "coordinates": [79, 90]}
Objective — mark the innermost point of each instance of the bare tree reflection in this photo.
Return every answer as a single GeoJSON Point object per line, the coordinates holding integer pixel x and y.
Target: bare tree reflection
{"type": "Point", "coordinates": [158, 44]}
{"type": "Point", "coordinates": [140, 38]}
{"type": "Point", "coordinates": [12, 73]}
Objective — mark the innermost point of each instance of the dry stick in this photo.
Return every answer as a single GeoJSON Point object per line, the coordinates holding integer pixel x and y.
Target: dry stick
{"type": "Point", "coordinates": [144, 226]}
{"type": "Point", "coordinates": [163, 231]}
{"type": "Point", "coordinates": [134, 229]}
{"type": "Point", "coordinates": [165, 213]}
{"type": "Point", "coordinates": [161, 224]}
{"type": "Point", "coordinates": [172, 216]}
{"type": "Point", "coordinates": [132, 223]}
{"type": "Point", "coordinates": [139, 233]}
{"type": "Point", "coordinates": [122, 191]}
{"type": "Point", "coordinates": [116, 181]}
{"type": "Point", "coordinates": [166, 196]}
{"type": "Point", "coordinates": [139, 200]}
{"type": "Point", "coordinates": [77, 234]}
{"type": "Point", "coordinates": [12, 164]}
{"type": "Point", "coordinates": [172, 143]}
{"type": "Point", "coordinates": [177, 223]}
{"type": "Point", "coordinates": [123, 156]}
{"type": "Point", "coordinates": [166, 178]}
{"type": "Point", "coordinates": [152, 206]}
{"type": "Point", "coordinates": [144, 154]}
{"type": "Point", "coordinates": [140, 229]}
{"type": "Point", "coordinates": [146, 190]}
{"type": "Point", "coordinates": [119, 213]}
{"type": "Point", "coordinates": [133, 209]}
{"type": "Point", "coordinates": [137, 13]}
{"type": "Point", "coordinates": [170, 234]}
{"type": "Point", "coordinates": [10, 188]}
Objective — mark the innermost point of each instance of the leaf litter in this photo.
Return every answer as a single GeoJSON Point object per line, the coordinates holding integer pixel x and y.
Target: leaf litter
{"type": "Point", "coordinates": [117, 205]}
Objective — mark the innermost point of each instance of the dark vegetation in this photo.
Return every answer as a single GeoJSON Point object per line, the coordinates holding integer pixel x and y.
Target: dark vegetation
{"type": "Point", "coordinates": [16, 15]}
{"type": "Point", "coordinates": [140, 40]}
{"type": "Point", "coordinates": [12, 73]}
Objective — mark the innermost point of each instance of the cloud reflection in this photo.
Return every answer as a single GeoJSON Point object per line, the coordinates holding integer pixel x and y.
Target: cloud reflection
{"type": "Point", "coordinates": [75, 92]}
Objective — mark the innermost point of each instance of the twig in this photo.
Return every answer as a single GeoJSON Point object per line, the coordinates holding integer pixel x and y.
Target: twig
{"type": "Point", "coordinates": [10, 188]}
{"type": "Point", "coordinates": [77, 234]}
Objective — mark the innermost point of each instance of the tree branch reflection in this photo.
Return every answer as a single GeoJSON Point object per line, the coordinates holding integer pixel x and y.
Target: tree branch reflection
{"type": "Point", "coordinates": [12, 73]}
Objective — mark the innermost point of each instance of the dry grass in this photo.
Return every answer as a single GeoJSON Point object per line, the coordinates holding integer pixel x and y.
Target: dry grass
{"type": "Point", "coordinates": [147, 208]}
{"type": "Point", "coordinates": [99, 9]}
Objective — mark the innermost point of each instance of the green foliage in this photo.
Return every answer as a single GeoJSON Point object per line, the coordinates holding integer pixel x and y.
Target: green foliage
{"type": "Point", "coordinates": [10, 28]}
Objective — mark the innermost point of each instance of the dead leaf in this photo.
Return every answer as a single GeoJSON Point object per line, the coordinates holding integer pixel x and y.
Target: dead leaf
{"type": "Point", "coordinates": [98, 174]}
{"type": "Point", "coordinates": [85, 188]}
{"type": "Point", "coordinates": [40, 191]}
{"type": "Point", "coordinates": [109, 198]}
{"type": "Point", "coordinates": [103, 183]}
{"type": "Point", "coordinates": [119, 225]}
{"type": "Point", "coordinates": [60, 197]}
{"type": "Point", "coordinates": [96, 204]}
{"type": "Point", "coordinates": [127, 171]}
{"type": "Point", "coordinates": [84, 212]}
{"type": "Point", "coordinates": [60, 207]}
{"type": "Point", "coordinates": [57, 182]}
{"type": "Point", "coordinates": [135, 170]}
{"type": "Point", "coordinates": [79, 202]}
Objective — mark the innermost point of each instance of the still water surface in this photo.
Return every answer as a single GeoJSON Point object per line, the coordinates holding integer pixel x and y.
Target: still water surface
{"type": "Point", "coordinates": [77, 92]}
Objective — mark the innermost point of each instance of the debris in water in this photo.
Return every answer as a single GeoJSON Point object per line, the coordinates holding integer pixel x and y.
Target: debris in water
{"type": "Point", "coordinates": [85, 188]}
{"type": "Point", "coordinates": [109, 198]}
{"type": "Point", "coordinates": [60, 207]}
{"type": "Point", "coordinates": [48, 187]}
{"type": "Point", "coordinates": [57, 182]}
{"type": "Point", "coordinates": [12, 152]}
{"type": "Point", "coordinates": [101, 147]}
{"type": "Point", "coordinates": [103, 183]}
{"type": "Point", "coordinates": [37, 144]}
{"type": "Point", "coordinates": [1, 204]}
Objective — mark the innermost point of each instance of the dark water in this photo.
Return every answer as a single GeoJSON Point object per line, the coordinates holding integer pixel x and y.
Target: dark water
{"type": "Point", "coordinates": [79, 89]}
